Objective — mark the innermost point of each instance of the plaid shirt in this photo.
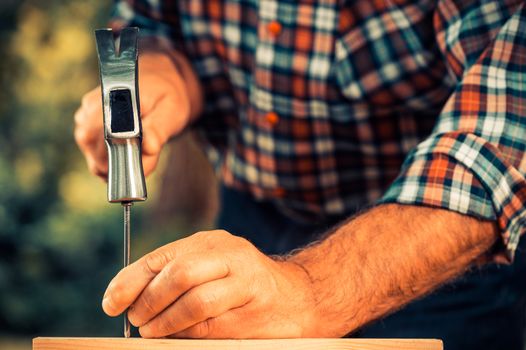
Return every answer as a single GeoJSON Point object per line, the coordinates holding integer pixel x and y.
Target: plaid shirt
{"type": "Point", "coordinates": [326, 106]}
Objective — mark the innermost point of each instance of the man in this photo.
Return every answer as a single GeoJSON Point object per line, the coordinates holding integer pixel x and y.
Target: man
{"type": "Point", "coordinates": [313, 111]}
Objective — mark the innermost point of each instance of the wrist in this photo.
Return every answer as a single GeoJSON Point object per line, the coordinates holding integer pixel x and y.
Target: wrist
{"type": "Point", "coordinates": [312, 317]}
{"type": "Point", "coordinates": [334, 276]}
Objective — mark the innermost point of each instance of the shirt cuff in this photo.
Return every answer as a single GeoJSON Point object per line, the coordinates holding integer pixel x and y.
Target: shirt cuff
{"type": "Point", "coordinates": [466, 174]}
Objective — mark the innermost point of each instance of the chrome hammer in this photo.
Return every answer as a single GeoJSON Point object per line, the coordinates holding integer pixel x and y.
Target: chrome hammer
{"type": "Point", "coordinates": [122, 125]}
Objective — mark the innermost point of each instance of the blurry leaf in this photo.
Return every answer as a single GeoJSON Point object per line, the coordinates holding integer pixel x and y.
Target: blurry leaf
{"type": "Point", "coordinates": [82, 191]}
{"type": "Point", "coordinates": [60, 240]}
{"type": "Point", "coordinates": [28, 169]}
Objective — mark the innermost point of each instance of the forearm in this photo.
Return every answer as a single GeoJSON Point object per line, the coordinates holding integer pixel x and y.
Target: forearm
{"type": "Point", "coordinates": [387, 257]}
{"type": "Point", "coordinates": [156, 54]}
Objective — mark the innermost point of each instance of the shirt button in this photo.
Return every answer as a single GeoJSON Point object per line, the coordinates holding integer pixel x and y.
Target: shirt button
{"type": "Point", "coordinates": [274, 28]}
{"type": "Point", "coordinates": [279, 192]}
{"type": "Point", "coordinates": [272, 118]}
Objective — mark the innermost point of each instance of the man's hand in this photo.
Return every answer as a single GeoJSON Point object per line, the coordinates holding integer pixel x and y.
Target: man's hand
{"type": "Point", "coordinates": [169, 99]}
{"type": "Point", "coordinates": [213, 285]}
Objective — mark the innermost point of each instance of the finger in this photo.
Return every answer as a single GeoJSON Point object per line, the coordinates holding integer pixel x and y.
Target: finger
{"type": "Point", "coordinates": [153, 138]}
{"type": "Point", "coordinates": [126, 286]}
{"type": "Point", "coordinates": [158, 126]}
{"type": "Point", "coordinates": [165, 120]}
{"type": "Point", "coordinates": [241, 322]}
{"type": "Point", "coordinates": [155, 87]}
{"type": "Point", "coordinates": [205, 301]}
{"type": "Point", "coordinates": [175, 279]}
{"type": "Point", "coordinates": [131, 281]}
{"type": "Point", "coordinates": [82, 134]}
{"type": "Point", "coordinates": [92, 167]}
{"type": "Point", "coordinates": [87, 136]}
{"type": "Point", "coordinates": [151, 91]}
{"type": "Point", "coordinates": [89, 132]}
{"type": "Point", "coordinates": [97, 159]}
{"type": "Point", "coordinates": [149, 163]}
{"type": "Point", "coordinates": [101, 157]}
{"type": "Point", "coordinates": [225, 326]}
{"type": "Point", "coordinates": [91, 107]}
{"type": "Point", "coordinates": [152, 144]}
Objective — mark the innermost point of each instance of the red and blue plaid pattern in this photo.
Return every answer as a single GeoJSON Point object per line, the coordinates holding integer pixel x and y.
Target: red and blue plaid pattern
{"type": "Point", "coordinates": [325, 106]}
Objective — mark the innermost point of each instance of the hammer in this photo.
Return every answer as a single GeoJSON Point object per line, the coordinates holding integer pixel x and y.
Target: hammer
{"type": "Point", "coordinates": [122, 125]}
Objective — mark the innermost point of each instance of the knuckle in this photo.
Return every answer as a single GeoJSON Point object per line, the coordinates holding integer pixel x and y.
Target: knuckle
{"type": "Point", "coordinates": [200, 330]}
{"type": "Point", "coordinates": [223, 233]}
{"type": "Point", "coordinates": [201, 304]}
{"type": "Point", "coordinates": [86, 100]}
{"type": "Point", "coordinates": [202, 234]}
{"type": "Point", "coordinates": [148, 302]}
{"type": "Point", "coordinates": [234, 240]}
{"type": "Point", "coordinates": [184, 275]}
{"type": "Point", "coordinates": [167, 278]}
{"type": "Point", "coordinates": [164, 327]}
{"type": "Point", "coordinates": [222, 236]}
{"type": "Point", "coordinates": [244, 243]}
{"type": "Point", "coordinates": [82, 137]}
{"type": "Point", "coordinates": [142, 310]}
{"type": "Point", "coordinates": [90, 97]}
{"type": "Point", "coordinates": [154, 262]}
{"type": "Point", "coordinates": [135, 318]}
{"type": "Point", "coordinates": [78, 116]}
{"type": "Point", "coordinates": [210, 239]}
{"type": "Point", "coordinates": [193, 308]}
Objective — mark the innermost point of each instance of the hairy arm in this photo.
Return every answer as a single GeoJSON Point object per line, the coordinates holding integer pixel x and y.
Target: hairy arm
{"type": "Point", "coordinates": [379, 261]}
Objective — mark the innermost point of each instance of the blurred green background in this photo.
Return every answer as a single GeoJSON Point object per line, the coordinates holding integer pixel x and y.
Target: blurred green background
{"type": "Point", "coordinates": [60, 240]}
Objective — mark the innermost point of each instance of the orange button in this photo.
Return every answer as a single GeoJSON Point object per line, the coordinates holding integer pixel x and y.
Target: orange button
{"type": "Point", "coordinates": [279, 192]}
{"type": "Point", "coordinates": [274, 28]}
{"type": "Point", "coordinates": [272, 118]}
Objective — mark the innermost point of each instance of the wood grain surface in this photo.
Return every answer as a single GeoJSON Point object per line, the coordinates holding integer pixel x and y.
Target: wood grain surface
{"type": "Point", "coordinates": [263, 344]}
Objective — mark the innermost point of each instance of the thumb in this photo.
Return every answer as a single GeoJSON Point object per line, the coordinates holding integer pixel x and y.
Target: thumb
{"type": "Point", "coordinates": [162, 123]}
{"type": "Point", "coordinates": [153, 139]}
{"type": "Point", "coordinates": [152, 144]}
{"type": "Point", "coordinates": [167, 118]}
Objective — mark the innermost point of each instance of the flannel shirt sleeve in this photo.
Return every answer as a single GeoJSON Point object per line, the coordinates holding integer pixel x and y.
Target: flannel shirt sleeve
{"type": "Point", "coordinates": [156, 20]}
{"type": "Point", "coordinates": [474, 162]}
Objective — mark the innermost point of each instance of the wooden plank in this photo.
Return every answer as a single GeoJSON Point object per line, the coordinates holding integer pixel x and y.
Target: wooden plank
{"type": "Point", "coordinates": [252, 344]}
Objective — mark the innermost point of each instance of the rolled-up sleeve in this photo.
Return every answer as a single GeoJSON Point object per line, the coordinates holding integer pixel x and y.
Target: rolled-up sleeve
{"type": "Point", "coordinates": [157, 20]}
{"type": "Point", "coordinates": [474, 161]}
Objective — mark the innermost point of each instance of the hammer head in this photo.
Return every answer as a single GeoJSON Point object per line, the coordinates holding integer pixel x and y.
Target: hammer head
{"type": "Point", "coordinates": [122, 122]}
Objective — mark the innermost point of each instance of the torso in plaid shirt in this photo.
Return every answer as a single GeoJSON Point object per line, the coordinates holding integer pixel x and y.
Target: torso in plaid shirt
{"type": "Point", "coordinates": [317, 104]}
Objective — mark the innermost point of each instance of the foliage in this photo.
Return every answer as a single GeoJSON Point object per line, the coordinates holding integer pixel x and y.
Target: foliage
{"type": "Point", "coordinates": [60, 241]}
